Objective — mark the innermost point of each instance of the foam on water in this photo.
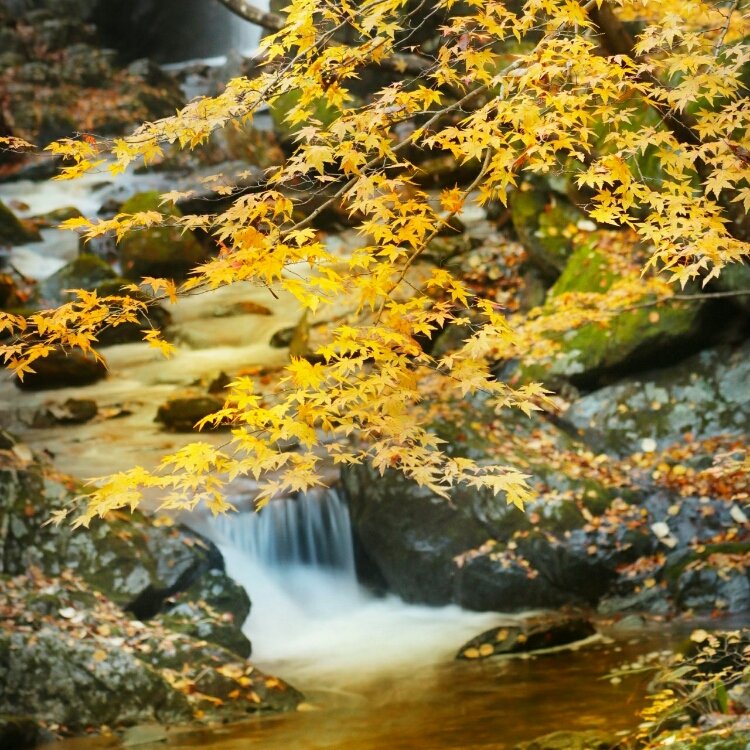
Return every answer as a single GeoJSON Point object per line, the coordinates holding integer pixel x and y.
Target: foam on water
{"type": "Point", "coordinates": [310, 619]}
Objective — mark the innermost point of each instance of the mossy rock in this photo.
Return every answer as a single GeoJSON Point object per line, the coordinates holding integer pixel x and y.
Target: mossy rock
{"type": "Point", "coordinates": [213, 609]}
{"type": "Point", "coordinates": [283, 104]}
{"type": "Point", "coordinates": [85, 272]}
{"type": "Point", "coordinates": [162, 251]}
{"type": "Point", "coordinates": [546, 226]}
{"type": "Point", "coordinates": [13, 231]}
{"type": "Point", "coordinates": [57, 216]}
{"type": "Point", "coordinates": [66, 681]}
{"type": "Point", "coordinates": [592, 351]}
{"type": "Point", "coordinates": [137, 565]}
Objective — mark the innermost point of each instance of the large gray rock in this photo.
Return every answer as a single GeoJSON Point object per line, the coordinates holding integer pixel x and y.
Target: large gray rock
{"type": "Point", "coordinates": [706, 395]}
{"type": "Point", "coordinates": [479, 552]}
{"type": "Point", "coordinates": [137, 565]}
{"type": "Point", "coordinates": [64, 679]}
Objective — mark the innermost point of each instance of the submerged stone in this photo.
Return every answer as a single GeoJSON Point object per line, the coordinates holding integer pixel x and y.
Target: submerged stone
{"type": "Point", "coordinates": [534, 634]}
{"type": "Point", "coordinates": [182, 414]}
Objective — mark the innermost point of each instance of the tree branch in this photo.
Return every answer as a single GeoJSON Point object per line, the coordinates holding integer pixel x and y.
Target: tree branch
{"type": "Point", "coordinates": [248, 12]}
{"type": "Point", "coordinates": [396, 63]}
{"type": "Point", "coordinates": [618, 41]}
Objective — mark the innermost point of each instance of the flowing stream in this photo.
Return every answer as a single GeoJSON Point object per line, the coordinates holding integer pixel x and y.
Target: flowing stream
{"type": "Point", "coordinates": [377, 673]}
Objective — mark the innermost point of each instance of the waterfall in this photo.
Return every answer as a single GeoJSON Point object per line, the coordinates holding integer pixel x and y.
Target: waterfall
{"type": "Point", "coordinates": [312, 530]}
{"type": "Point", "coordinates": [302, 546]}
{"type": "Point", "coordinates": [243, 35]}
{"type": "Point", "coordinates": [175, 31]}
{"type": "Point", "coordinates": [310, 619]}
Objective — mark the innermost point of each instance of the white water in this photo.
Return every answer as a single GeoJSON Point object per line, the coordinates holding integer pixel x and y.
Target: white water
{"type": "Point", "coordinates": [310, 620]}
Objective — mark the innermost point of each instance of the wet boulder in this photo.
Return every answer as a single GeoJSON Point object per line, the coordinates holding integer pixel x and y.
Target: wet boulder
{"type": "Point", "coordinates": [70, 411]}
{"type": "Point", "coordinates": [475, 549]}
{"type": "Point", "coordinates": [51, 219]}
{"type": "Point", "coordinates": [85, 272]}
{"type": "Point", "coordinates": [63, 369]}
{"type": "Point", "coordinates": [533, 634]}
{"type": "Point", "coordinates": [194, 612]}
{"type": "Point", "coordinates": [410, 534]}
{"type": "Point", "coordinates": [705, 395]}
{"type": "Point", "coordinates": [13, 231]}
{"type": "Point", "coordinates": [162, 251]}
{"type": "Point", "coordinates": [182, 414]}
{"type": "Point", "coordinates": [71, 658]}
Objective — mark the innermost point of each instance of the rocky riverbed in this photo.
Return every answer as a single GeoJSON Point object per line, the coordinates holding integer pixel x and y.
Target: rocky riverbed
{"type": "Point", "coordinates": [640, 518]}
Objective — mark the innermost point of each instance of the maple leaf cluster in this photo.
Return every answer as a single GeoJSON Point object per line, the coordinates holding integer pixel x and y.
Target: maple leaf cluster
{"type": "Point", "coordinates": [507, 93]}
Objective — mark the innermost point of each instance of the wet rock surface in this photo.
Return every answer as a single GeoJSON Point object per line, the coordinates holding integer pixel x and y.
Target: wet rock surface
{"type": "Point", "coordinates": [182, 414]}
{"type": "Point", "coordinates": [62, 369]}
{"type": "Point", "coordinates": [621, 542]}
{"type": "Point", "coordinates": [126, 622]}
{"type": "Point", "coordinates": [548, 631]}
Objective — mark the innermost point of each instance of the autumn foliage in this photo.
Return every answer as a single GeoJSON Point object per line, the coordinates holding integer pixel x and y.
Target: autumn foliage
{"type": "Point", "coordinates": [589, 90]}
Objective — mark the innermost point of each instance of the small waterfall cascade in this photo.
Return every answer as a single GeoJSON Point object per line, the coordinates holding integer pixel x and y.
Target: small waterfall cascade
{"type": "Point", "coordinates": [312, 530]}
{"type": "Point", "coordinates": [300, 548]}
{"type": "Point", "coordinates": [310, 618]}
{"type": "Point", "coordinates": [244, 36]}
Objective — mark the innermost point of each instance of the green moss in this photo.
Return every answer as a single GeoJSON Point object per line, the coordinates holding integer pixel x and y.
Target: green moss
{"type": "Point", "coordinates": [597, 346]}
{"type": "Point", "coordinates": [588, 270]}
{"type": "Point", "coordinates": [286, 102]}
{"type": "Point", "coordinates": [543, 226]}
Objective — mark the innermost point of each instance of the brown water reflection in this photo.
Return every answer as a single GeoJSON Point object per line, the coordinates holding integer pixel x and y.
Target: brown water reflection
{"type": "Point", "coordinates": [489, 704]}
